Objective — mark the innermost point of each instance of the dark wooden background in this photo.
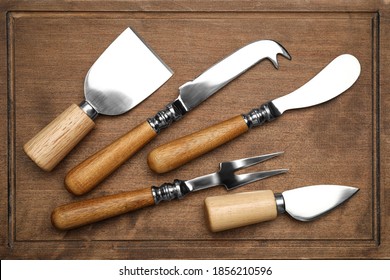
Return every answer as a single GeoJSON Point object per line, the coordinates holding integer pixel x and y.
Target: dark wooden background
{"type": "Point", "coordinates": [46, 50]}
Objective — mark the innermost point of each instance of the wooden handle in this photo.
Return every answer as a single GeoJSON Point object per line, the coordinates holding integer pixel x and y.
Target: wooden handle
{"type": "Point", "coordinates": [59, 137]}
{"type": "Point", "coordinates": [180, 151]}
{"type": "Point", "coordinates": [88, 174]}
{"type": "Point", "coordinates": [241, 209]}
{"type": "Point", "coordinates": [85, 212]}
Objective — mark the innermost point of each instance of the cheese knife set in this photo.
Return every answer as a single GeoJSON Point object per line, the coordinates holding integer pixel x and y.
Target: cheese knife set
{"type": "Point", "coordinates": [129, 71]}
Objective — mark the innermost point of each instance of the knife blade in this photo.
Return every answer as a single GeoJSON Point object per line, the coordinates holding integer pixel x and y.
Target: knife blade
{"type": "Point", "coordinates": [303, 204]}
{"type": "Point", "coordinates": [333, 80]}
{"type": "Point", "coordinates": [195, 92]}
{"type": "Point", "coordinates": [89, 173]}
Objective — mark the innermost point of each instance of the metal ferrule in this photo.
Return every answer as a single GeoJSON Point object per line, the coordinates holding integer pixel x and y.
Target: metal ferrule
{"type": "Point", "coordinates": [88, 109]}
{"type": "Point", "coordinates": [169, 191]}
{"type": "Point", "coordinates": [280, 206]}
{"type": "Point", "coordinates": [165, 117]}
{"type": "Point", "coordinates": [259, 116]}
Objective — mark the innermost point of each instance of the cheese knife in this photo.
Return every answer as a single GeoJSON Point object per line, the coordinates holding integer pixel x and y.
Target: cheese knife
{"type": "Point", "coordinates": [304, 204]}
{"type": "Point", "coordinates": [126, 73]}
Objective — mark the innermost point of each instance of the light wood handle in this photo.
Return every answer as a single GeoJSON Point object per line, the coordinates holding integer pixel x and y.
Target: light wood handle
{"type": "Point", "coordinates": [85, 212]}
{"type": "Point", "coordinates": [180, 151]}
{"type": "Point", "coordinates": [88, 174]}
{"type": "Point", "coordinates": [241, 209]}
{"type": "Point", "coordinates": [59, 137]}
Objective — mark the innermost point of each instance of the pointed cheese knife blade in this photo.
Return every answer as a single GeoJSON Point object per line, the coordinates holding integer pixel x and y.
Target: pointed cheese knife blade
{"type": "Point", "coordinates": [309, 203]}
{"type": "Point", "coordinates": [88, 174]}
{"type": "Point", "coordinates": [303, 204]}
{"type": "Point", "coordinates": [333, 80]}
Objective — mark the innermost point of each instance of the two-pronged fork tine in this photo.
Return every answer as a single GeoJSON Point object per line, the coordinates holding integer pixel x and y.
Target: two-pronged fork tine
{"type": "Point", "coordinates": [231, 180]}
{"type": "Point", "coordinates": [244, 179]}
{"type": "Point", "coordinates": [226, 175]}
{"type": "Point", "coordinates": [246, 162]}
{"type": "Point", "coordinates": [85, 212]}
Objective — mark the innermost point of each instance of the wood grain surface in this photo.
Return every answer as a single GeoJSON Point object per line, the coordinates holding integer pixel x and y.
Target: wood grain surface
{"type": "Point", "coordinates": [89, 173]}
{"type": "Point", "coordinates": [184, 149]}
{"type": "Point", "coordinates": [224, 212]}
{"type": "Point", "coordinates": [46, 49]}
{"type": "Point", "coordinates": [60, 136]}
{"type": "Point", "coordinates": [80, 213]}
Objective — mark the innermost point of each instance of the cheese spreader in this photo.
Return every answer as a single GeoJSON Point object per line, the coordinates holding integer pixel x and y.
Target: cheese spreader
{"type": "Point", "coordinates": [304, 204]}
{"type": "Point", "coordinates": [93, 210]}
{"type": "Point", "coordinates": [334, 79]}
{"type": "Point", "coordinates": [126, 73]}
{"type": "Point", "coordinates": [89, 173]}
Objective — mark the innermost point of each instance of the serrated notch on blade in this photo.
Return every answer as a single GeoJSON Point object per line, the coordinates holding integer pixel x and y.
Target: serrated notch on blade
{"type": "Point", "coordinates": [194, 92]}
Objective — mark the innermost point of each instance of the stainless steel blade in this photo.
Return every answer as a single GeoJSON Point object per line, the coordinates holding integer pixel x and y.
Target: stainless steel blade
{"type": "Point", "coordinates": [194, 92]}
{"type": "Point", "coordinates": [125, 74]}
{"type": "Point", "coordinates": [333, 80]}
{"type": "Point", "coordinates": [308, 203]}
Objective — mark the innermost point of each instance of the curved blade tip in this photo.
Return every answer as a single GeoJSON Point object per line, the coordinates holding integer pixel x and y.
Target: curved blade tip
{"type": "Point", "coordinates": [353, 61]}
{"type": "Point", "coordinates": [283, 52]}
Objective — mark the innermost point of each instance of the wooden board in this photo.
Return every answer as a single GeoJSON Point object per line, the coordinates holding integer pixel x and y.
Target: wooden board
{"type": "Point", "coordinates": [46, 50]}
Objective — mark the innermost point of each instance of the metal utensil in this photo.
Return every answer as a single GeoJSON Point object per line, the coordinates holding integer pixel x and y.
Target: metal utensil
{"type": "Point", "coordinates": [125, 74]}
{"type": "Point", "coordinates": [333, 80]}
{"type": "Point", "coordinates": [303, 204]}
{"type": "Point", "coordinates": [88, 174]}
{"type": "Point", "coordinates": [89, 211]}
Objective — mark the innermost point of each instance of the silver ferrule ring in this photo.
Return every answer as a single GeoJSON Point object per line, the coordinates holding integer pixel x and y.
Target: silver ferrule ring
{"type": "Point", "coordinates": [88, 109]}
{"type": "Point", "coordinates": [280, 206]}
{"type": "Point", "coordinates": [164, 118]}
{"type": "Point", "coordinates": [257, 116]}
{"type": "Point", "coordinates": [169, 191]}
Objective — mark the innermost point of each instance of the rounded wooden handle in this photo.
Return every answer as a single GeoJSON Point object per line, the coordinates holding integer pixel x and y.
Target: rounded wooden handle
{"type": "Point", "coordinates": [59, 137]}
{"type": "Point", "coordinates": [241, 209]}
{"type": "Point", "coordinates": [85, 212]}
{"type": "Point", "coordinates": [88, 174]}
{"type": "Point", "coordinates": [180, 151]}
